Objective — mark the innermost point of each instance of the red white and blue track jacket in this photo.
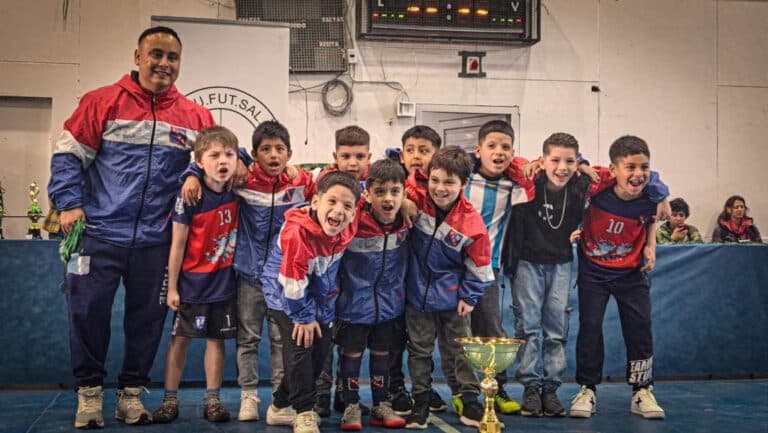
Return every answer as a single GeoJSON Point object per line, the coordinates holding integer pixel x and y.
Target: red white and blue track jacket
{"type": "Point", "coordinates": [450, 261]}
{"type": "Point", "coordinates": [300, 274]}
{"type": "Point", "coordinates": [372, 274]}
{"type": "Point", "coordinates": [119, 158]}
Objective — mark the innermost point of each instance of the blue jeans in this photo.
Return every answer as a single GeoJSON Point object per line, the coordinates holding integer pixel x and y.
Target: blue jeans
{"type": "Point", "coordinates": [540, 303]}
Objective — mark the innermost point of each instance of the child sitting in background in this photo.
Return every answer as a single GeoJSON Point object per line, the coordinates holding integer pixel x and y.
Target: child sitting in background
{"type": "Point", "coordinates": [676, 230]}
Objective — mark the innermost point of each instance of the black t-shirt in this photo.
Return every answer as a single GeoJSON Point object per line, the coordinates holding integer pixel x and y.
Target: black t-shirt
{"type": "Point", "coordinates": [542, 227]}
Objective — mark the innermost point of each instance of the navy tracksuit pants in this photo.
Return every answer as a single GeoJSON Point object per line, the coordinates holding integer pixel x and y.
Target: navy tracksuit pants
{"type": "Point", "coordinates": [632, 294]}
{"type": "Point", "coordinates": [93, 278]}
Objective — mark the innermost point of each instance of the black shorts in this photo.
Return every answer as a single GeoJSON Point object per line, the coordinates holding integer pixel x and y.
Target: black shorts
{"type": "Point", "coordinates": [384, 337]}
{"type": "Point", "coordinates": [217, 320]}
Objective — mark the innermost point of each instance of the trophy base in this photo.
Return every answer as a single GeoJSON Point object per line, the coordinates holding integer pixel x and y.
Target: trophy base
{"type": "Point", "coordinates": [490, 427]}
{"type": "Point", "coordinates": [34, 234]}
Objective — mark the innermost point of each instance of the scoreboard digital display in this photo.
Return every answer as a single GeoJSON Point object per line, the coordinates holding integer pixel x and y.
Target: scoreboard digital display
{"type": "Point", "coordinates": [450, 20]}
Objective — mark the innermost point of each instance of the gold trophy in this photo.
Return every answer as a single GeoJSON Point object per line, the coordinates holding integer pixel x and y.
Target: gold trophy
{"type": "Point", "coordinates": [490, 355]}
{"type": "Point", "coordinates": [34, 212]}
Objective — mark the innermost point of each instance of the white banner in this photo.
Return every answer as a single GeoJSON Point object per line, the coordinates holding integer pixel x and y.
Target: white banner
{"type": "Point", "coordinates": [238, 70]}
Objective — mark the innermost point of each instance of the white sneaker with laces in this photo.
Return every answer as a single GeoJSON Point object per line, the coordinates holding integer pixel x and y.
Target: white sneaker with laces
{"type": "Point", "coordinates": [307, 422]}
{"type": "Point", "coordinates": [129, 408]}
{"type": "Point", "coordinates": [249, 406]}
{"type": "Point", "coordinates": [584, 404]}
{"type": "Point", "coordinates": [89, 407]}
{"type": "Point", "coordinates": [278, 416]}
{"type": "Point", "coordinates": [645, 405]}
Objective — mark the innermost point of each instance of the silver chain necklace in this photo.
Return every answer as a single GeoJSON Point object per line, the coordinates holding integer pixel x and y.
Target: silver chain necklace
{"type": "Point", "coordinates": [547, 206]}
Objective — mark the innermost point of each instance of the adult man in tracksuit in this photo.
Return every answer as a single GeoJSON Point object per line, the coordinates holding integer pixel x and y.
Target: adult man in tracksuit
{"type": "Point", "coordinates": [116, 167]}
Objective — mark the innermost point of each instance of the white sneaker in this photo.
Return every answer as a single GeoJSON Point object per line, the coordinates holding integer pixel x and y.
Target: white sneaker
{"type": "Point", "coordinates": [584, 404]}
{"type": "Point", "coordinates": [89, 407]}
{"type": "Point", "coordinates": [277, 416]}
{"type": "Point", "coordinates": [249, 406]}
{"type": "Point", "coordinates": [307, 422]}
{"type": "Point", "coordinates": [644, 404]}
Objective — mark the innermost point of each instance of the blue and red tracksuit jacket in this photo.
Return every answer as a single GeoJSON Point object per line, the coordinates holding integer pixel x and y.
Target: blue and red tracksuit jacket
{"type": "Point", "coordinates": [372, 274]}
{"type": "Point", "coordinates": [119, 158]}
{"type": "Point", "coordinates": [264, 199]}
{"type": "Point", "coordinates": [450, 261]}
{"type": "Point", "coordinates": [299, 277]}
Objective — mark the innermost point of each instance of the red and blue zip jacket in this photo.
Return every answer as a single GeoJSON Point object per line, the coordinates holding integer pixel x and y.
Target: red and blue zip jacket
{"type": "Point", "coordinates": [300, 274]}
{"type": "Point", "coordinates": [372, 274]}
{"type": "Point", "coordinates": [449, 261]}
{"type": "Point", "coordinates": [119, 158]}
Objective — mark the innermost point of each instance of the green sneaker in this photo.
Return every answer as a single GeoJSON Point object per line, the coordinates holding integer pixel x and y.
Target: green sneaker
{"type": "Point", "coordinates": [505, 404]}
{"type": "Point", "coordinates": [457, 404]}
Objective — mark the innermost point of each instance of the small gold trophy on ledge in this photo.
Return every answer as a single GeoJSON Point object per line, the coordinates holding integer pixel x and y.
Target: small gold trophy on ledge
{"type": "Point", "coordinates": [34, 212]}
{"type": "Point", "coordinates": [490, 355]}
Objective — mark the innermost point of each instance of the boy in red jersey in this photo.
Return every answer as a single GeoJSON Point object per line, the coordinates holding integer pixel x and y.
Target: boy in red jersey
{"type": "Point", "coordinates": [619, 232]}
{"type": "Point", "coordinates": [201, 282]}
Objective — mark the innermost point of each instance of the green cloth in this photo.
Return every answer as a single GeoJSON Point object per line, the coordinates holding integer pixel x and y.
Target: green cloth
{"type": "Point", "coordinates": [71, 242]}
{"type": "Point", "coordinates": [664, 235]}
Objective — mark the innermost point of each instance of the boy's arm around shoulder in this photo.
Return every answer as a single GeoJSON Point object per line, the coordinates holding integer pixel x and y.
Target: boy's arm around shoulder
{"type": "Point", "coordinates": [516, 173]}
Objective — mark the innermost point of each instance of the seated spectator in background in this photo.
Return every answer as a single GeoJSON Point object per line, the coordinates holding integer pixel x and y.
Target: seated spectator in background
{"type": "Point", "coordinates": [733, 224]}
{"type": "Point", "coordinates": [676, 230]}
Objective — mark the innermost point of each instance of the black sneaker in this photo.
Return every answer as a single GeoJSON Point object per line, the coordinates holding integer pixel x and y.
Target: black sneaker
{"type": "Point", "coordinates": [436, 403]}
{"type": "Point", "coordinates": [323, 405]}
{"type": "Point", "coordinates": [401, 401]}
{"type": "Point", "coordinates": [472, 413]}
{"type": "Point", "coordinates": [418, 419]}
{"type": "Point", "coordinates": [550, 402]}
{"type": "Point", "coordinates": [531, 402]}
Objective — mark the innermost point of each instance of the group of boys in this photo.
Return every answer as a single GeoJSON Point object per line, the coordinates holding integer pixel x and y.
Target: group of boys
{"type": "Point", "coordinates": [351, 269]}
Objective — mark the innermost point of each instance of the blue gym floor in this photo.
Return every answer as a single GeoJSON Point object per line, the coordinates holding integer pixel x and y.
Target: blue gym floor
{"type": "Point", "coordinates": [691, 406]}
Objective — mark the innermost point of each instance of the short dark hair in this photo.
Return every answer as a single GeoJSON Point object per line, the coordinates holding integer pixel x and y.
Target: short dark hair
{"type": "Point", "coordinates": [425, 132]}
{"type": "Point", "coordinates": [500, 126]}
{"type": "Point", "coordinates": [724, 215]}
{"type": "Point", "coordinates": [628, 145]}
{"type": "Point", "coordinates": [352, 135]}
{"type": "Point", "coordinates": [270, 129]}
{"type": "Point", "coordinates": [454, 160]}
{"type": "Point", "coordinates": [159, 29]}
{"type": "Point", "coordinates": [679, 205]}
{"type": "Point", "coordinates": [385, 170]}
{"type": "Point", "coordinates": [560, 139]}
{"type": "Point", "coordinates": [214, 134]}
{"type": "Point", "coordinates": [342, 178]}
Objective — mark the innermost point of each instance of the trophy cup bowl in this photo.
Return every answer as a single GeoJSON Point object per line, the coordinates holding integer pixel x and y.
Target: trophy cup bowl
{"type": "Point", "coordinates": [490, 355]}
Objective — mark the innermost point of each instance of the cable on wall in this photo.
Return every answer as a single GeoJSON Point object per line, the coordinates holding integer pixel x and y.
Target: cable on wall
{"type": "Point", "coordinates": [330, 87]}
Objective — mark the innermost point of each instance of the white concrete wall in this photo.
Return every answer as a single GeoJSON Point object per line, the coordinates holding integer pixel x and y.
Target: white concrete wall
{"type": "Point", "coordinates": [689, 76]}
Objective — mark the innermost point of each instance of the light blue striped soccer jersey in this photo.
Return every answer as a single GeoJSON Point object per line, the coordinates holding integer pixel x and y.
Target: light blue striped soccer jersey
{"type": "Point", "coordinates": [493, 199]}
